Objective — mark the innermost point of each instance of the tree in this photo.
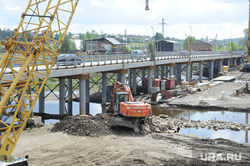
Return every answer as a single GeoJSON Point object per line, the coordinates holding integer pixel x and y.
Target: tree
{"type": "Point", "coordinates": [190, 39]}
{"type": "Point", "coordinates": [231, 46]}
{"type": "Point", "coordinates": [245, 36]}
{"type": "Point", "coordinates": [126, 48]}
{"type": "Point", "coordinates": [88, 36]}
{"type": "Point", "coordinates": [151, 48]}
{"type": "Point", "coordinates": [158, 36]}
{"type": "Point", "coordinates": [67, 45]}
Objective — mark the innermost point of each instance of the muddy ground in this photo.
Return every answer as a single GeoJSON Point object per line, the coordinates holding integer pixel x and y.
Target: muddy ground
{"type": "Point", "coordinates": [72, 145]}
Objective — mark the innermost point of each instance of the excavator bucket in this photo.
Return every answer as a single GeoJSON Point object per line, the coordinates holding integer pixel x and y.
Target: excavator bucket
{"type": "Point", "coordinates": [120, 121]}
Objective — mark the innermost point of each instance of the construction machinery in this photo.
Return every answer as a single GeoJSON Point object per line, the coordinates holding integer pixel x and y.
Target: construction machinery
{"type": "Point", "coordinates": [34, 48]}
{"type": "Point", "coordinates": [128, 113]}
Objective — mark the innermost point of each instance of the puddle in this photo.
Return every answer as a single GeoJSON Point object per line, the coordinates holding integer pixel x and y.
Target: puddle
{"type": "Point", "coordinates": [239, 117]}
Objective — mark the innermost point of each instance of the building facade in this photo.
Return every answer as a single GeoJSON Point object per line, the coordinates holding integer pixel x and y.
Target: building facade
{"type": "Point", "coordinates": [199, 45]}
{"type": "Point", "coordinates": [102, 45]}
{"type": "Point", "coordinates": [167, 45]}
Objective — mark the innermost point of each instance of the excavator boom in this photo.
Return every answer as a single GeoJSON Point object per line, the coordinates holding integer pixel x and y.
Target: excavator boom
{"type": "Point", "coordinates": [34, 48]}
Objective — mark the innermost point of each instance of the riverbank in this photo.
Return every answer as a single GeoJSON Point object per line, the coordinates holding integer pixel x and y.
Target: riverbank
{"type": "Point", "coordinates": [86, 141]}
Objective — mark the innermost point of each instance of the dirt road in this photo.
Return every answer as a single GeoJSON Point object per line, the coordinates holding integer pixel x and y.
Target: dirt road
{"type": "Point", "coordinates": [46, 148]}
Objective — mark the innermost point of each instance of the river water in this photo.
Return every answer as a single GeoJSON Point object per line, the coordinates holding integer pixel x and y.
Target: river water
{"type": "Point", "coordinates": [52, 107]}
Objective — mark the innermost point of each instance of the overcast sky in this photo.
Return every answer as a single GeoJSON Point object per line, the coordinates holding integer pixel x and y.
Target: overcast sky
{"type": "Point", "coordinates": [204, 17]}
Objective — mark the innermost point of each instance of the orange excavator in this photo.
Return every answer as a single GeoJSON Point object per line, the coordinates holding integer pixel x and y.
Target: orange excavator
{"type": "Point", "coordinates": [128, 113]}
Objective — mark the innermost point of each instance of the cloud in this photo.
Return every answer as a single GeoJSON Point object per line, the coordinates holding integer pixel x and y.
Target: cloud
{"type": "Point", "coordinates": [96, 3]}
{"type": "Point", "coordinates": [12, 8]}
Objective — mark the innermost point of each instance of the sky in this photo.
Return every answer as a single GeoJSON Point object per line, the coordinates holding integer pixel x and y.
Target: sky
{"type": "Point", "coordinates": [201, 18]}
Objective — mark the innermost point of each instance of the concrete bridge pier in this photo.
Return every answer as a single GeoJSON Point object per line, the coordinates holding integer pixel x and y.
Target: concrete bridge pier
{"type": "Point", "coordinates": [41, 101]}
{"type": "Point", "coordinates": [130, 77]}
{"type": "Point", "coordinates": [70, 101]}
{"type": "Point", "coordinates": [211, 69]}
{"type": "Point", "coordinates": [166, 72]}
{"type": "Point", "coordinates": [104, 92]}
{"type": "Point", "coordinates": [220, 65]}
{"type": "Point", "coordinates": [188, 72]}
{"type": "Point", "coordinates": [172, 69]}
{"type": "Point", "coordinates": [150, 78]}
{"type": "Point", "coordinates": [61, 96]}
{"type": "Point", "coordinates": [201, 71]}
{"type": "Point", "coordinates": [143, 74]}
{"type": "Point", "coordinates": [178, 74]}
{"type": "Point", "coordinates": [83, 93]}
{"type": "Point", "coordinates": [228, 63]}
{"type": "Point", "coordinates": [235, 62]}
{"type": "Point", "coordinates": [118, 77]}
{"type": "Point", "coordinates": [157, 71]}
{"type": "Point", "coordinates": [134, 82]}
{"type": "Point", "coordinates": [162, 72]}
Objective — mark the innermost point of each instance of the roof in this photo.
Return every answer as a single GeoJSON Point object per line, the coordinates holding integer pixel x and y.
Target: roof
{"type": "Point", "coordinates": [199, 41]}
{"type": "Point", "coordinates": [169, 41]}
{"type": "Point", "coordinates": [111, 40]}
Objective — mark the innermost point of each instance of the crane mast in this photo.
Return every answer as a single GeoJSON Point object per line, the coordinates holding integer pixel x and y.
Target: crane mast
{"type": "Point", "coordinates": [248, 45]}
{"type": "Point", "coordinates": [35, 47]}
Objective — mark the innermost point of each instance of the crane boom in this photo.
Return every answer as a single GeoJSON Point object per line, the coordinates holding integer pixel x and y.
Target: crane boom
{"type": "Point", "coordinates": [35, 47]}
{"type": "Point", "coordinates": [248, 45]}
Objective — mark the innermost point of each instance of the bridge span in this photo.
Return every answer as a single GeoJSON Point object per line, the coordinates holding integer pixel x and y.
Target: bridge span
{"type": "Point", "coordinates": [129, 69]}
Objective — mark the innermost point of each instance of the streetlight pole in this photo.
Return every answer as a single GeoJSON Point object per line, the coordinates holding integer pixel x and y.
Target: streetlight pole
{"type": "Point", "coordinates": [231, 48]}
{"type": "Point", "coordinates": [191, 30]}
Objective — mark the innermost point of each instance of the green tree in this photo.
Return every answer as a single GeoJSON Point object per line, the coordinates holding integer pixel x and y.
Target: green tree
{"type": "Point", "coordinates": [190, 39]}
{"type": "Point", "coordinates": [245, 36]}
{"type": "Point", "coordinates": [67, 45]}
{"type": "Point", "coordinates": [88, 36]}
{"type": "Point", "coordinates": [231, 46]}
{"type": "Point", "coordinates": [158, 37]}
{"type": "Point", "coordinates": [126, 48]}
{"type": "Point", "coordinates": [151, 48]}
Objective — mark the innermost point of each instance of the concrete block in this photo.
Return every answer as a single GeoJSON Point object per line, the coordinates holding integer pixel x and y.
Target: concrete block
{"type": "Point", "coordinates": [155, 89]}
{"type": "Point", "coordinates": [34, 121]}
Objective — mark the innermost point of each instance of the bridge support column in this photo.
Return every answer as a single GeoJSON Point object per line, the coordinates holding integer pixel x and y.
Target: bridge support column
{"type": "Point", "coordinates": [157, 71]}
{"type": "Point", "coordinates": [201, 71]}
{"type": "Point", "coordinates": [220, 65]}
{"type": "Point", "coordinates": [83, 94]}
{"type": "Point", "coordinates": [162, 72]}
{"type": "Point", "coordinates": [118, 77]}
{"type": "Point", "coordinates": [150, 77]}
{"type": "Point", "coordinates": [41, 101]}
{"type": "Point", "coordinates": [172, 69]}
{"type": "Point", "coordinates": [104, 92]}
{"type": "Point", "coordinates": [87, 97]}
{"type": "Point", "coordinates": [143, 74]}
{"type": "Point", "coordinates": [191, 72]}
{"type": "Point", "coordinates": [211, 69]}
{"type": "Point", "coordinates": [235, 62]}
{"type": "Point", "coordinates": [134, 82]}
{"type": "Point", "coordinates": [188, 72]}
{"type": "Point", "coordinates": [178, 74]}
{"type": "Point", "coordinates": [61, 96]}
{"type": "Point", "coordinates": [70, 103]}
{"type": "Point", "coordinates": [166, 73]}
{"type": "Point", "coordinates": [228, 63]}
{"type": "Point", "coordinates": [130, 77]}
{"type": "Point", "coordinates": [123, 78]}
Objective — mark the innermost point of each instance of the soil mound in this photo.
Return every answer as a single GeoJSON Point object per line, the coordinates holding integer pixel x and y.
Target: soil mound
{"type": "Point", "coordinates": [84, 125]}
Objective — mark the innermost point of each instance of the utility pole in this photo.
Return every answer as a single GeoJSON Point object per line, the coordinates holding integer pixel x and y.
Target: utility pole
{"type": "Point", "coordinates": [163, 25]}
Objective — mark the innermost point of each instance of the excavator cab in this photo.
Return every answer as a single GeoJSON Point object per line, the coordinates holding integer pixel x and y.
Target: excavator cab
{"type": "Point", "coordinates": [120, 97]}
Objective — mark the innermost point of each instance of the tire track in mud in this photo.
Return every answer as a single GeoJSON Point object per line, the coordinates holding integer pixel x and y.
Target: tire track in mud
{"type": "Point", "coordinates": [106, 155]}
{"type": "Point", "coordinates": [69, 152]}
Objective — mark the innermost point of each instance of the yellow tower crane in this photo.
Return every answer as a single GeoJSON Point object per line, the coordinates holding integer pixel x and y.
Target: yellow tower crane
{"type": "Point", "coordinates": [35, 48]}
{"type": "Point", "coordinates": [248, 46]}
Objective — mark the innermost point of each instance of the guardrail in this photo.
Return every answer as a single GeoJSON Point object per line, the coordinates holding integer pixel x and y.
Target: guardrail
{"type": "Point", "coordinates": [96, 60]}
